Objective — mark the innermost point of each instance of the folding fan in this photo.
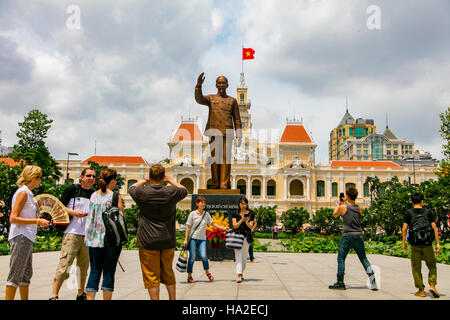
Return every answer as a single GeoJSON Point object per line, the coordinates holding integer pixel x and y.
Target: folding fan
{"type": "Point", "coordinates": [51, 208]}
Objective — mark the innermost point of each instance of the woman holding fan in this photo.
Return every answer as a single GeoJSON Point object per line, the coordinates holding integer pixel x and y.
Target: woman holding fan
{"type": "Point", "coordinates": [197, 222]}
{"type": "Point", "coordinates": [22, 233]}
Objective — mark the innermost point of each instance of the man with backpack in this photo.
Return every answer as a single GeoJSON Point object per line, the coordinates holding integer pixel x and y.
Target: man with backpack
{"type": "Point", "coordinates": [422, 227]}
{"type": "Point", "coordinates": [76, 199]}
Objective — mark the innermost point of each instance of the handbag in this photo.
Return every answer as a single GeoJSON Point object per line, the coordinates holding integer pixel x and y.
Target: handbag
{"type": "Point", "coordinates": [234, 240]}
{"type": "Point", "coordinates": [183, 257]}
{"type": "Point", "coordinates": [182, 261]}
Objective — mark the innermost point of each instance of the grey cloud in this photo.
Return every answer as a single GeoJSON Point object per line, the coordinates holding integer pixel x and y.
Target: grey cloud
{"type": "Point", "coordinates": [13, 66]}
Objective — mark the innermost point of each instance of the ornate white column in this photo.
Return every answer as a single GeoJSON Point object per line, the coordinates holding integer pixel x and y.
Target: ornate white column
{"type": "Point", "coordinates": [307, 187]}
{"type": "Point", "coordinates": [285, 187]}
{"type": "Point", "coordinates": [264, 188]}
{"type": "Point", "coordinates": [248, 187]}
{"type": "Point", "coordinates": [329, 187]}
{"type": "Point", "coordinates": [198, 182]}
{"type": "Point", "coordinates": [360, 186]}
{"type": "Point", "coordinates": [233, 182]}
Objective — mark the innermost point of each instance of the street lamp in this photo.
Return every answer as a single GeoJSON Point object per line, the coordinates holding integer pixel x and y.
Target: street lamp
{"type": "Point", "coordinates": [69, 154]}
{"type": "Point", "coordinates": [413, 157]}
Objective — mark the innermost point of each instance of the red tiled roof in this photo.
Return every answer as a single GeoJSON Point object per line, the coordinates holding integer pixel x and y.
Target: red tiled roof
{"type": "Point", "coordinates": [188, 132]}
{"type": "Point", "coordinates": [10, 162]}
{"type": "Point", "coordinates": [384, 164]}
{"type": "Point", "coordinates": [295, 133]}
{"type": "Point", "coordinates": [116, 159]}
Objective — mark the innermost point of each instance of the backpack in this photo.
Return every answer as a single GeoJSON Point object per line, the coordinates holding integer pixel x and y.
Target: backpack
{"type": "Point", "coordinates": [420, 232]}
{"type": "Point", "coordinates": [116, 228]}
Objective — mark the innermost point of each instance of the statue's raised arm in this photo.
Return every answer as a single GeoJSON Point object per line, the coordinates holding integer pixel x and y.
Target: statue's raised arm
{"type": "Point", "coordinates": [198, 91]}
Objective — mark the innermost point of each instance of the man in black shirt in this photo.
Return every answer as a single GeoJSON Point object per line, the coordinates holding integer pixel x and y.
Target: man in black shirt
{"type": "Point", "coordinates": [420, 248]}
{"type": "Point", "coordinates": [76, 198]}
{"type": "Point", "coordinates": [156, 235]}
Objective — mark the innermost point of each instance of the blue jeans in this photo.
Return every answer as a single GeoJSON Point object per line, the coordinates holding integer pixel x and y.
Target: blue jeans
{"type": "Point", "coordinates": [103, 260]}
{"type": "Point", "coordinates": [201, 245]}
{"type": "Point", "coordinates": [357, 243]}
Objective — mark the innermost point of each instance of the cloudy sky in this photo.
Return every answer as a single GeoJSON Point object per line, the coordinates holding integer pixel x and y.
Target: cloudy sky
{"type": "Point", "coordinates": [123, 74]}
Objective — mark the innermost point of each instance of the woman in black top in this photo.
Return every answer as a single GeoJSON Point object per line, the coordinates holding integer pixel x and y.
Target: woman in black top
{"type": "Point", "coordinates": [243, 223]}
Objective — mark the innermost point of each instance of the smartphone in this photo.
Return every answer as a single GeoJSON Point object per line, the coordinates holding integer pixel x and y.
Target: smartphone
{"type": "Point", "coordinates": [341, 196]}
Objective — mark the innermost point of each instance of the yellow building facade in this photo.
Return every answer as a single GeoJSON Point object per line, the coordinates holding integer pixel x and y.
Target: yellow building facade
{"type": "Point", "coordinates": [280, 172]}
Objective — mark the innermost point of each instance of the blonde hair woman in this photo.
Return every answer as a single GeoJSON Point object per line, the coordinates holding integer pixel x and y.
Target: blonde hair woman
{"type": "Point", "coordinates": [22, 233]}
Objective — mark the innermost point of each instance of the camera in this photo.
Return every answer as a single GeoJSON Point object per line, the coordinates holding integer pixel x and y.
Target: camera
{"type": "Point", "coordinates": [246, 215]}
{"type": "Point", "coordinates": [341, 196]}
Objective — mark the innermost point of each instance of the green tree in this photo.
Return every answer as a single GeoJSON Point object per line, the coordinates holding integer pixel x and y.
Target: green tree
{"type": "Point", "coordinates": [98, 168]}
{"type": "Point", "coordinates": [437, 198]}
{"type": "Point", "coordinates": [323, 218]}
{"type": "Point", "coordinates": [369, 222]}
{"type": "Point", "coordinates": [265, 216]}
{"type": "Point", "coordinates": [295, 218]}
{"type": "Point", "coordinates": [8, 178]}
{"type": "Point", "coordinates": [390, 205]}
{"type": "Point", "coordinates": [31, 146]}
{"type": "Point", "coordinates": [444, 171]}
{"type": "Point", "coordinates": [132, 218]}
{"type": "Point", "coordinates": [182, 215]}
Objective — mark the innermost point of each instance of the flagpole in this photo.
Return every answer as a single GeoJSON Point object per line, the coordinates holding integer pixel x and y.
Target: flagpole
{"type": "Point", "coordinates": [242, 57]}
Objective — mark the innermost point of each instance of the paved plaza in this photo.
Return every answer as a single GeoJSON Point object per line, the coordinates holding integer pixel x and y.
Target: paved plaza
{"type": "Point", "coordinates": [272, 276]}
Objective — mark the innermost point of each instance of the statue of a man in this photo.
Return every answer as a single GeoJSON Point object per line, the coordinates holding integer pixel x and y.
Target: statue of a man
{"type": "Point", "coordinates": [223, 120]}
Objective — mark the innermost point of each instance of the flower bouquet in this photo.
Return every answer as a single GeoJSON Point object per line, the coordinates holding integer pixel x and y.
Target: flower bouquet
{"type": "Point", "coordinates": [217, 236]}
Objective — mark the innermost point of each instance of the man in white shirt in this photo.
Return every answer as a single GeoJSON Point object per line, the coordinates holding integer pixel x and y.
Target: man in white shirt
{"type": "Point", "coordinates": [76, 199]}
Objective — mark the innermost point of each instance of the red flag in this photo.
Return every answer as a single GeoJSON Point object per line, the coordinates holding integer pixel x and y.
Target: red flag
{"type": "Point", "coordinates": [247, 53]}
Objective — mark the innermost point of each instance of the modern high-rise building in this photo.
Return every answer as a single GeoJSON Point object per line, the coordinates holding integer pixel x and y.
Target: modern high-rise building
{"type": "Point", "coordinates": [348, 128]}
{"type": "Point", "coordinates": [384, 146]}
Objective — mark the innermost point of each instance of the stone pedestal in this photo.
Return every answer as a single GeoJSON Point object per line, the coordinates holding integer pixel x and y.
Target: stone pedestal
{"type": "Point", "coordinates": [225, 201]}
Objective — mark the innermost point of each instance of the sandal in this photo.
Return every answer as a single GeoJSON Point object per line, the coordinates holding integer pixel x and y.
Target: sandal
{"type": "Point", "coordinates": [239, 280]}
{"type": "Point", "coordinates": [54, 298]}
{"type": "Point", "coordinates": [190, 280]}
{"type": "Point", "coordinates": [210, 276]}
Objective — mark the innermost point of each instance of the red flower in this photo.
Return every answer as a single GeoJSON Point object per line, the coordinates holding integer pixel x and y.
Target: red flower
{"type": "Point", "coordinates": [216, 235]}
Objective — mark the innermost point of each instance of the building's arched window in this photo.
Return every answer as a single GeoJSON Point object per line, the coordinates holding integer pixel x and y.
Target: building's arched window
{"type": "Point", "coordinates": [334, 189]}
{"type": "Point", "coordinates": [366, 190]}
{"type": "Point", "coordinates": [130, 183]}
{"type": "Point", "coordinates": [296, 188]}
{"type": "Point", "coordinates": [271, 188]}
{"type": "Point", "coordinates": [256, 188]}
{"type": "Point", "coordinates": [242, 98]}
{"type": "Point", "coordinates": [348, 185]}
{"type": "Point", "coordinates": [242, 185]}
{"type": "Point", "coordinates": [189, 184]}
{"type": "Point", "coordinates": [321, 188]}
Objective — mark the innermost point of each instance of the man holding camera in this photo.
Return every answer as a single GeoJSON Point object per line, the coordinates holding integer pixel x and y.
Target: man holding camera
{"type": "Point", "coordinates": [351, 237]}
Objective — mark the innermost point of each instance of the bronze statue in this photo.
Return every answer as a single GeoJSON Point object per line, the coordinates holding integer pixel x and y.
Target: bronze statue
{"type": "Point", "coordinates": [223, 120]}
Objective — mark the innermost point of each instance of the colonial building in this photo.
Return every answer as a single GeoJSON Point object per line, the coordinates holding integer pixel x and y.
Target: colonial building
{"type": "Point", "coordinates": [280, 171]}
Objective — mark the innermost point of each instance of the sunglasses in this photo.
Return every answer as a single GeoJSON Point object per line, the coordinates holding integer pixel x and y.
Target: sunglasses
{"type": "Point", "coordinates": [90, 176]}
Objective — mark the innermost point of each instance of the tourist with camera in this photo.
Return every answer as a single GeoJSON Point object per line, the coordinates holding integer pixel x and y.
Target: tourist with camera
{"type": "Point", "coordinates": [421, 224]}
{"type": "Point", "coordinates": [243, 222]}
{"type": "Point", "coordinates": [351, 237]}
